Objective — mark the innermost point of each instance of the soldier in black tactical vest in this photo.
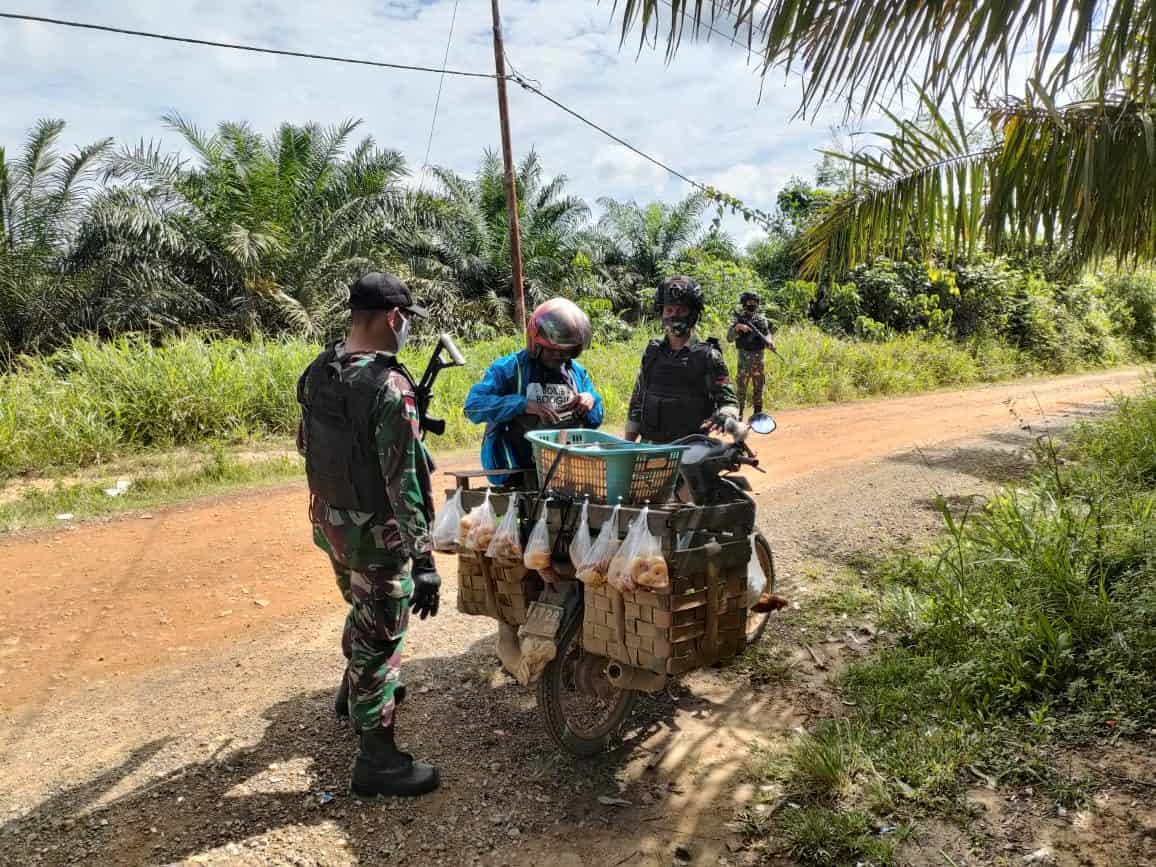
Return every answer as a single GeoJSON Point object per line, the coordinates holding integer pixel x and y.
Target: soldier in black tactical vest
{"type": "Point", "coordinates": [371, 507]}
{"type": "Point", "coordinates": [683, 385]}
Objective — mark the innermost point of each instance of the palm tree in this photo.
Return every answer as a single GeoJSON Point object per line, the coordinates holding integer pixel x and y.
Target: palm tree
{"type": "Point", "coordinates": [642, 238]}
{"type": "Point", "coordinates": [255, 233]}
{"type": "Point", "coordinates": [41, 194]}
{"type": "Point", "coordinates": [463, 268]}
{"type": "Point", "coordinates": [1082, 174]}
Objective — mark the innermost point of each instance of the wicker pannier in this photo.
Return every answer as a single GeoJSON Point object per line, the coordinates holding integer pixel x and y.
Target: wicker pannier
{"type": "Point", "coordinates": [699, 621]}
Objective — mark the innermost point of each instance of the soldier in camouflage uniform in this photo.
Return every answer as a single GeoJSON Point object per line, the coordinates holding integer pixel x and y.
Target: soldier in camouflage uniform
{"type": "Point", "coordinates": [371, 508]}
{"type": "Point", "coordinates": [752, 334]}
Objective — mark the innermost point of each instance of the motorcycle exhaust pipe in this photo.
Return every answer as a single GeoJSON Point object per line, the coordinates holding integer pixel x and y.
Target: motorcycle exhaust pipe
{"type": "Point", "coordinates": [628, 677]}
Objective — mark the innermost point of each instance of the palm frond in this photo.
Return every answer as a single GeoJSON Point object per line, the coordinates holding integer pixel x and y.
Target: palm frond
{"type": "Point", "coordinates": [862, 53]}
{"type": "Point", "coordinates": [1083, 175]}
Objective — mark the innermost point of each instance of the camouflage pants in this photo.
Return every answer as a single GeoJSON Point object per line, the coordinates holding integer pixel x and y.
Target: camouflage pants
{"type": "Point", "coordinates": [751, 372]}
{"type": "Point", "coordinates": [372, 639]}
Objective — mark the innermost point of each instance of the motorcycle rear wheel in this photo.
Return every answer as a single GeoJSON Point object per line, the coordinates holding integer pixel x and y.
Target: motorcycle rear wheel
{"type": "Point", "coordinates": [757, 621]}
{"type": "Point", "coordinates": [581, 721]}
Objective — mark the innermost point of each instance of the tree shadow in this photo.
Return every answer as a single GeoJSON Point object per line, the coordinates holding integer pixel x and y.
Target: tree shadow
{"type": "Point", "coordinates": [492, 749]}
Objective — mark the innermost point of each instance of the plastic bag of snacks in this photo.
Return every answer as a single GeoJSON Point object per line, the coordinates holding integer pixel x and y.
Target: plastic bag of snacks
{"type": "Point", "coordinates": [580, 544]}
{"type": "Point", "coordinates": [506, 546]}
{"type": "Point", "coordinates": [595, 566]}
{"type": "Point", "coordinates": [478, 527]}
{"type": "Point", "coordinates": [639, 562]}
{"type": "Point", "coordinates": [756, 577]}
{"type": "Point", "coordinates": [445, 528]}
{"type": "Point", "coordinates": [538, 545]}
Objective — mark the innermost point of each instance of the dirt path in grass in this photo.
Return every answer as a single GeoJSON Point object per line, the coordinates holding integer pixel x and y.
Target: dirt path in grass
{"type": "Point", "coordinates": [165, 679]}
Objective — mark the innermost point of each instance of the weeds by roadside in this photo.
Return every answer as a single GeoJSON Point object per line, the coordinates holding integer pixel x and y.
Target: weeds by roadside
{"type": "Point", "coordinates": [1028, 632]}
{"type": "Point", "coordinates": [97, 400]}
{"type": "Point", "coordinates": [214, 470]}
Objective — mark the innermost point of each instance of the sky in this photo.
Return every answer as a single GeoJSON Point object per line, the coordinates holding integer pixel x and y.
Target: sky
{"type": "Point", "coordinates": [702, 113]}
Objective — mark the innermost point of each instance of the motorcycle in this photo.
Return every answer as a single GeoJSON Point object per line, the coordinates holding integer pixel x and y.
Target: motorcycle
{"type": "Point", "coordinates": [585, 698]}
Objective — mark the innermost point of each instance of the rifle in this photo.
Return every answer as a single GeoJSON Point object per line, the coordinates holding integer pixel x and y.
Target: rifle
{"type": "Point", "coordinates": [746, 319]}
{"type": "Point", "coordinates": [423, 391]}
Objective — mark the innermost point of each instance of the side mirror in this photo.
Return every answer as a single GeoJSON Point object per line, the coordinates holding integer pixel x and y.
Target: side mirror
{"type": "Point", "coordinates": [763, 424]}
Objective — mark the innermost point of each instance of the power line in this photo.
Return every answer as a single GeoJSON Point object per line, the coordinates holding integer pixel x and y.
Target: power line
{"type": "Point", "coordinates": [438, 100]}
{"type": "Point", "coordinates": [82, 25]}
{"type": "Point", "coordinates": [516, 77]}
{"type": "Point", "coordinates": [519, 79]}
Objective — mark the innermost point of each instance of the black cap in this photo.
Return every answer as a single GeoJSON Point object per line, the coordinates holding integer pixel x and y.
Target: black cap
{"type": "Point", "coordinates": [379, 291]}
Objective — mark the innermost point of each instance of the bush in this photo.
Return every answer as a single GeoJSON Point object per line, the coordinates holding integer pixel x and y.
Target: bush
{"type": "Point", "coordinates": [1135, 313]}
{"type": "Point", "coordinates": [93, 400]}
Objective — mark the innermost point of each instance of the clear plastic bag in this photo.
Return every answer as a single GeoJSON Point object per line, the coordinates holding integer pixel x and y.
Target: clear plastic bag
{"type": "Point", "coordinates": [756, 577]}
{"type": "Point", "coordinates": [447, 523]}
{"type": "Point", "coordinates": [595, 566]}
{"type": "Point", "coordinates": [580, 544]}
{"type": "Point", "coordinates": [538, 545]}
{"type": "Point", "coordinates": [639, 562]}
{"type": "Point", "coordinates": [506, 546]}
{"type": "Point", "coordinates": [478, 527]}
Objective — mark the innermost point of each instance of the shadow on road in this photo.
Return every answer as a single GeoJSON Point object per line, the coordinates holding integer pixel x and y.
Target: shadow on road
{"type": "Point", "coordinates": [506, 787]}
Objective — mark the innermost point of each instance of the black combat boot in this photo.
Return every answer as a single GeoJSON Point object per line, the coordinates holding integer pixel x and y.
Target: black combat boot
{"type": "Point", "coordinates": [382, 769]}
{"type": "Point", "coordinates": [341, 701]}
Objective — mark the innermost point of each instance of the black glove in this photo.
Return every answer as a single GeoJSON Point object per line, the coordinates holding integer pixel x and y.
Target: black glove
{"type": "Point", "coordinates": [427, 585]}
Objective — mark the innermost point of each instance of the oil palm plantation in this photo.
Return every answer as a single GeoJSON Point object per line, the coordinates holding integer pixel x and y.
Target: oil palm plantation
{"type": "Point", "coordinates": [1071, 160]}
{"type": "Point", "coordinates": [642, 238]}
{"type": "Point", "coordinates": [463, 266]}
{"type": "Point", "coordinates": [252, 232]}
{"type": "Point", "coordinates": [41, 196]}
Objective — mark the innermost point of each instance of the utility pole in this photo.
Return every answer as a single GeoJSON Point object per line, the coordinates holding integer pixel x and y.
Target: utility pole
{"type": "Point", "coordinates": [508, 161]}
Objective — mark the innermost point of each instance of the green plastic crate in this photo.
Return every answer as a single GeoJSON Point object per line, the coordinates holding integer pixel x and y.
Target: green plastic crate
{"type": "Point", "coordinates": [606, 468]}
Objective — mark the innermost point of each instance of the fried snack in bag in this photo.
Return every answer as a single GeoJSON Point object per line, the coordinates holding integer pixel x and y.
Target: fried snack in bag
{"type": "Point", "coordinates": [446, 524]}
{"type": "Point", "coordinates": [506, 546]}
{"type": "Point", "coordinates": [595, 566]}
{"type": "Point", "coordinates": [639, 562]}
{"type": "Point", "coordinates": [647, 565]}
{"type": "Point", "coordinates": [538, 545]}
{"type": "Point", "coordinates": [580, 544]}
{"type": "Point", "coordinates": [756, 577]}
{"type": "Point", "coordinates": [478, 527]}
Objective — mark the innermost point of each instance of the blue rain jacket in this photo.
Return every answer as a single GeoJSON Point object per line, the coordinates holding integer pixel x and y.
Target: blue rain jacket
{"type": "Point", "coordinates": [501, 397]}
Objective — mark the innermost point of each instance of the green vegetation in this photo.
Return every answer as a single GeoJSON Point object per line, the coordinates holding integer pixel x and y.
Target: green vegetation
{"type": "Point", "coordinates": [1032, 625]}
{"type": "Point", "coordinates": [1063, 153]}
{"type": "Point", "coordinates": [93, 400]}
{"type": "Point", "coordinates": [208, 471]}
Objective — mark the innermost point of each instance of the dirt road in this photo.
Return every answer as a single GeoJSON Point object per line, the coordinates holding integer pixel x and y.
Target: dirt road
{"type": "Point", "coordinates": [165, 679]}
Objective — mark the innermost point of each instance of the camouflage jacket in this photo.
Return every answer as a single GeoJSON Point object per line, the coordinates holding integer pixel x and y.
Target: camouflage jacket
{"type": "Point", "coordinates": [360, 539]}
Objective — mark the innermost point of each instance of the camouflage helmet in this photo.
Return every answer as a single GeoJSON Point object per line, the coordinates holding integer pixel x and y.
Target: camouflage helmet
{"type": "Point", "coordinates": [748, 296]}
{"type": "Point", "coordinates": [558, 324]}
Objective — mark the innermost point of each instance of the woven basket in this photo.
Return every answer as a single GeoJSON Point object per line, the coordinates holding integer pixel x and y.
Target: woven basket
{"type": "Point", "coordinates": [699, 621]}
{"type": "Point", "coordinates": [491, 589]}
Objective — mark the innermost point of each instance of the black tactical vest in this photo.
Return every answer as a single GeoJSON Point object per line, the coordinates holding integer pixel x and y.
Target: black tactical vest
{"type": "Point", "coordinates": [341, 457]}
{"type": "Point", "coordinates": [676, 397]}
{"type": "Point", "coordinates": [752, 341]}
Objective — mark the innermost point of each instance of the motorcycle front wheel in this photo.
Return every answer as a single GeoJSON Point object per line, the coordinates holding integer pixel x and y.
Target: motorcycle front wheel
{"type": "Point", "coordinates": [757, 621]}
{"type": "Point", "coordinates": [581, 708]}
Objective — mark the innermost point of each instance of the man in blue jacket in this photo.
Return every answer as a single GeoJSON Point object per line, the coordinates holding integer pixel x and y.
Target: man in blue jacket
{"type": "Point", "coordinates": [539, 387]}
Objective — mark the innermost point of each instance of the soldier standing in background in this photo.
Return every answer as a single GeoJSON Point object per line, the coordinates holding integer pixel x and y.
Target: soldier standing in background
{"type": "Point", "coordinates": [751, 333]}
{"type": "Point", "coordinates": [371, 506]}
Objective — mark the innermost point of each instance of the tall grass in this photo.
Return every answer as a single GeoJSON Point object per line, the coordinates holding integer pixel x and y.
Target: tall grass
{"type": "Point", "coordinates": [1032, 623]}
{"type": "Point", "coordinates": [95, 400]}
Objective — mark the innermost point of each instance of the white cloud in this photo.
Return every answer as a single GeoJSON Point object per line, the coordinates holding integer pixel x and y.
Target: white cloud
{"type": "Point", "coordinates": [701, 113]}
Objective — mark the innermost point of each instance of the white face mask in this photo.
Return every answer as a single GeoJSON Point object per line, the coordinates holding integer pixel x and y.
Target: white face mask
{"type": "Point", "coordinates": [402, 333]}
